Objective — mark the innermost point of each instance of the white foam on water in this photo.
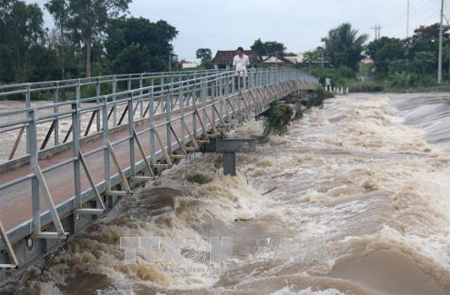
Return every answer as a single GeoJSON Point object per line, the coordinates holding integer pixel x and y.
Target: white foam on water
{"type": "Point", "coordinates": [309, 291]}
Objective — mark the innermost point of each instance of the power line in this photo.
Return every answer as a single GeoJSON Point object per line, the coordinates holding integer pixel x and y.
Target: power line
{"type": "Point", "coordinates": [419, 10]}
{"type": "Point", "coordinates": [431, 16]}
{"type": "Point", "coordinates": [429, 8]}
{"type": "Point", "coordinates": [415, 12]}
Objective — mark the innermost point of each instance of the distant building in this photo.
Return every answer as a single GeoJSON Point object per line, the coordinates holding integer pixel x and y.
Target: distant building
{"type": "Point", "coordinates": [316, 63]}
{"type": "Point", "coordinates": [189, 66]}
{"type": "Point", "coordinates": [367, 61]}
{"type": "Point", "coordinates": [298, 59]}
{"type": "Point", "coordinates": [276, 61]}
{"type": "Point", "coordinates": [224, 58]}
{"type": "Point", "coordinates": [294, 60]}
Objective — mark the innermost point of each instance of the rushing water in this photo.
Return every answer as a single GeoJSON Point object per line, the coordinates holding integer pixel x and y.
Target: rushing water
{"type": "Point", "coordinates": [368, 174]}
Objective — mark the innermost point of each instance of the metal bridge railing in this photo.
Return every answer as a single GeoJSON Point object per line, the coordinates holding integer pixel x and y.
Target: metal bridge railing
{"type": "Point", "coordinates": [50, 116]}
{"type": "Point", "coordinates": [157, 124]}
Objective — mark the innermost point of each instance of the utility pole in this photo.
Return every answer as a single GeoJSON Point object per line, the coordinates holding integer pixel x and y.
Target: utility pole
{"type": "Point", "coordinates": [441, 33]}
{"type": "Point", "coordinates": [377, 32]}
{"type": "Point", "coordinates": [448, 24]}
{"type": "Point", "coordinates": [170, 62]}
{"type": "Point", "coordinates": [322, 58]}
{"type": "Point", "coordinates": [407, 18]}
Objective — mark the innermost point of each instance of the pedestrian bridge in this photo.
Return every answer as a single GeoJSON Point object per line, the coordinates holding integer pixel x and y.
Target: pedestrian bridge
{"type": "Point", "coordinates": [68, 160]}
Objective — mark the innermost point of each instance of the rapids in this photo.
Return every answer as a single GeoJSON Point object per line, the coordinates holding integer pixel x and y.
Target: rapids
{"type": "Point", "coordinates": [368, 174]}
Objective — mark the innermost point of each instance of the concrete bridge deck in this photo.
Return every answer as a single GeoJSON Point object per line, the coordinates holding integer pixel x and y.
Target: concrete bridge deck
{"type": "Point", "coordinates": [49, 194]}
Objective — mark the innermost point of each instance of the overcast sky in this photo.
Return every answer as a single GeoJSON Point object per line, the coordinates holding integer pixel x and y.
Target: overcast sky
{"type": "Point", "coordinates": [299, 24]}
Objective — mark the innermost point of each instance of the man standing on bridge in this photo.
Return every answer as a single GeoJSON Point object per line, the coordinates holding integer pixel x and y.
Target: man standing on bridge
{"type": "Point", "coordinates": [240, 64]}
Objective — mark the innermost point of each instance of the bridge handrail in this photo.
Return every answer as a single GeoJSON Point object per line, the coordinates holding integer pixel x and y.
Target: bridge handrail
{"type": "Point", "coordinates": [93, 80]}
{"type": "Point", "coordinates": [173, 85]}
{"type": "Point", "coordinates": [254, 78]}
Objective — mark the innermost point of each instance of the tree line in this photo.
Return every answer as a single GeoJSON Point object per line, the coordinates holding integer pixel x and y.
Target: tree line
{"type": "Point", "coordinates": [89, 38]}
{"type": "Point", "coordinates": [397, 63]}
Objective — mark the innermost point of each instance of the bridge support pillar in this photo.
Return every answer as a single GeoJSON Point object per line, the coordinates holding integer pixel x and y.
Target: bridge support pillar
{"type": "Point", "coordinates": [229, 163]}
{"type": "Point", "coordinates": [229, 148]}
{"type": "Point", "coordinates": [298, 107]}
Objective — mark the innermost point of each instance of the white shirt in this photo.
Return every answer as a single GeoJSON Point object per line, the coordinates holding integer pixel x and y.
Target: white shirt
{"type": "Point", "coordinates": [241, 64]}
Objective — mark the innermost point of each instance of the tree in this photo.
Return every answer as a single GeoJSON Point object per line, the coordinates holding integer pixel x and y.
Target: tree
{"type": "Point", "coordinates": [384, 52]}
{"type": "Point", "coordinates": [206, 57]}
{"type": "Point", "coordinates": [344, 46]}
{"type": "Point", "coordinates": [398, 66]}
{"type": "Point", "coordinates": [204, 53]}
{"type": "Point", "coordinates": [22, 37]}
{"type": "Point", "coordinates": [207, 64]}
{"type": "Point", "coordinates": [138, 45]}
{"type": "Point", "coordinates": [134, 58]}
{"type": "Point", "coordinates": [89, 19]}
{"type": "Point", "coordinates": [268, 48]}
{"type": "Point", "coordinates": [59, 10]}
{"type": "Point", "coordinates": [310, 56]}
{"type": "Point", "coordinates": [259, 47]}
{"type": "Point", "coordinates": [275, 48]}
{"type": "Point", "coordinates": [424, 60]}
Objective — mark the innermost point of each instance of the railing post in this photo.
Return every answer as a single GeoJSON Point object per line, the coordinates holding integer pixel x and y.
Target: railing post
{"type": "Point", "coordinates": [194, 106]}
{"type": "Point", "coordinates": [221, 88]}
{"type": "Point", "coordinates": [131, 136]}
{"type": "Point", "coordinates": [203, 98]}
{"type": "Point", "coordinates": [114, 99]}
{"type": "Point", "coordinates": [78, 91]}
{"type": "Point", "coordinates": [76, 153]}
{"type": "Point", "coordinates": [106, 157]}
{"type": "Point", "coordinates": [152, 131]}
{"type": "Point", "coordinates": [141, 93]}
{"type": "Point", "coordinates": [168, 121]}
{"type": "Point", "coordinates": [224, 82]}
{"type": "Point", "coordinates": [28, 97]}
{"type": "Point", "coordinates": [32, 147]}
{"type": "Point", "coordinates": [97, 92]}
{"type": "Point", "coordinates": [181, 104]}
{"type": "Point", "coordinates": [233, 84]}
{"type": "Point", "coordinates": [161, 83]}
{"type": "Point", "coordinates": [261, 78]}
{"type": "Point", "coordinates": [227, 84]}
{"type": "Point", "coordinates": [55, 110]}
{"type": "Point", "coordinates": [213, 98]}
{"type": "Point", "coordinates": [239, 84]}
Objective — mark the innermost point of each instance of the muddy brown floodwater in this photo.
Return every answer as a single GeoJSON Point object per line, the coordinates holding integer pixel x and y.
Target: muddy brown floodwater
{"type": "Point", "coordinates": [369, 175]}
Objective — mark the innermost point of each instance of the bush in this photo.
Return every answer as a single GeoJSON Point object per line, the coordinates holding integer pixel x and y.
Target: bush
{"type": "Point", "coordinates": [402, 80]}
{"type": "Point", "coordinates": [428, 81]}
{"type": "Point", "coordinates": [341, 76]}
